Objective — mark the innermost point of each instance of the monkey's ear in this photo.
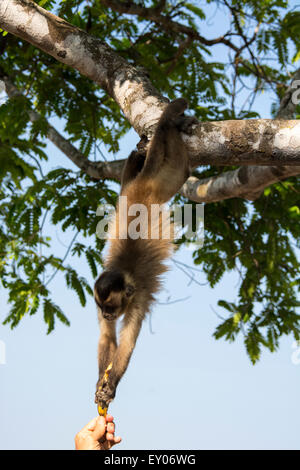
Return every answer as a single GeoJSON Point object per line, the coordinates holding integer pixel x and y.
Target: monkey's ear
{"type": "Point", "coordinates": [129, 290]}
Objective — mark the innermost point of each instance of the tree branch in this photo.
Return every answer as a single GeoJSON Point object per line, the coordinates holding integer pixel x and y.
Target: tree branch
{"type": "Point", "coordinates": [129, 87]}
{"type": "Point", "coordinates": [155, 15]}
{"type": "Point", "coordinates": [261, 142]}
{"type": "Point", "coordinates": [247, 182]}
{"type": "Point", "coordinates": [221, 143]}
{"type": "Point", "coordinates": [96, 170]}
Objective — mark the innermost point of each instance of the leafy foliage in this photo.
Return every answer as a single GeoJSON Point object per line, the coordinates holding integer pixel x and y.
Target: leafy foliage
{"type": "Point", "coordinates": [262, 251]}
{"type": "Point", "coordinates": [259, 53]}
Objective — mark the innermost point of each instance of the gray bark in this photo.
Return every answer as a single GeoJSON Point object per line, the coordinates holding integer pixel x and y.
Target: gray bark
{"type": "Point", "coordinates": [259, 142]}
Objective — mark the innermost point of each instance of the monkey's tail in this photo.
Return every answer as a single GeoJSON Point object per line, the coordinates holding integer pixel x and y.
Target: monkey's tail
{"type": "Point", "coordinates": [171, 112]}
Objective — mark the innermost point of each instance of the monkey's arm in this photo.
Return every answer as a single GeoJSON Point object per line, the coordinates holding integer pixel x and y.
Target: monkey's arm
{"type": "Point", "coordinates": [128, 337]}
{"type": "Point", "coordinates": [133, 166]}
{"type": "Point", "coordinates": [107, 345]}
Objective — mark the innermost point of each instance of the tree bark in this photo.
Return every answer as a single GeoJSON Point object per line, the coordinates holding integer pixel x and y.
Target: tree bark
{"type": "Point", "coordinates": [260, 142]}
{"type": "Point", "coordinates": [245, 182]}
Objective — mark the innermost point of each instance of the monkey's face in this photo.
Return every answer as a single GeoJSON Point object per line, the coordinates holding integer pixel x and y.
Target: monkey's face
{"type": "Point", "coordinates": [112, 294]}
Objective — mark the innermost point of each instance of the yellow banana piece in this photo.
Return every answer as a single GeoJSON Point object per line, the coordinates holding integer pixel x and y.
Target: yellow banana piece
{"type": "Point", "coordinates": [103, 411]}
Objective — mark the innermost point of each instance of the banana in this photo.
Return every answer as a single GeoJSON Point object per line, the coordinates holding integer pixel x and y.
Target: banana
{"type": "Point", "coordinates": [102, 411]}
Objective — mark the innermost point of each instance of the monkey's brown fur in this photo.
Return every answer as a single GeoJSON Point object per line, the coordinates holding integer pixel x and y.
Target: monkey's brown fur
{"type": "Point", "coordinates": [134, 266]}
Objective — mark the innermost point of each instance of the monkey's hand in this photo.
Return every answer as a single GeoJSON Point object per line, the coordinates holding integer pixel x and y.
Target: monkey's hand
{"type": "Point", "coordinates": [105, 393]}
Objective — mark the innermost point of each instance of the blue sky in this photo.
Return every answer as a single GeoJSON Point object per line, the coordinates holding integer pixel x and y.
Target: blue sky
{"type": "Point", "coordinates": [183, 389]}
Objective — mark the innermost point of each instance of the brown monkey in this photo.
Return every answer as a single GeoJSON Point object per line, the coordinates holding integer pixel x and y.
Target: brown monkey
{"type": "Point", "coordinates": [133, 266]}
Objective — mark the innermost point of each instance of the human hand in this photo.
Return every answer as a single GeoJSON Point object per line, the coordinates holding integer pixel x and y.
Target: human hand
{"type": "Point", "coordinates": [98, 434]}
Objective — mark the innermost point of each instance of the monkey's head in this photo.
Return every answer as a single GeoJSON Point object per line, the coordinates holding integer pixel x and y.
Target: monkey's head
{"type": "Point", "coordinates": [113, 291]}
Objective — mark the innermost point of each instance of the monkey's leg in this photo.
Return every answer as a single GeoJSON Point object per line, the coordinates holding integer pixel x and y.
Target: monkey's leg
{"type": "Point", "coordinates": [133, 166]}
{"type": "Point", "coordinates": [185, 124]}
{"type": "Point", "coordinates": [167, 150]}
{"type": "Point", "coordinates": [106, 348]}
{"type": "Point", "coordinates": [156, 153]}
{"type": "Point", "coordinates": [165, 134]}
{"type": "Point", "coordinates": [128, 337]}
{"type": "Point", "coordinates": [167, 163]}
{"type": "Point", "coordinates": [167, 166]}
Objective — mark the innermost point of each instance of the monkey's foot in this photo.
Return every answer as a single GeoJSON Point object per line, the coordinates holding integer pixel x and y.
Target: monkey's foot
{"type": "Point", "coordinates": [185, 124]}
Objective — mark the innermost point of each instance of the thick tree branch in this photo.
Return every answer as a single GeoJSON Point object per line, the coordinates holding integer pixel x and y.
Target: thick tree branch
{"type": "Point", "coordinates": [247, 182]}
{"type": "Point", "coordinates": [231, 142]}
{"type": "Point", "coordinates": [260, 142]}
{"type": "Point", "coordinates": [130, 88]}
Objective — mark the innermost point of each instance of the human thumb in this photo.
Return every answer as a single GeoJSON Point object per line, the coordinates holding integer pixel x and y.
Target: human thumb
{"type": "Point", "coordinates": [100, 428]}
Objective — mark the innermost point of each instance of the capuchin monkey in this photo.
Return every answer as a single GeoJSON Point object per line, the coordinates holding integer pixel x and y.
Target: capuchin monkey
{"type": "Point", "coordinates": [133, 267]}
